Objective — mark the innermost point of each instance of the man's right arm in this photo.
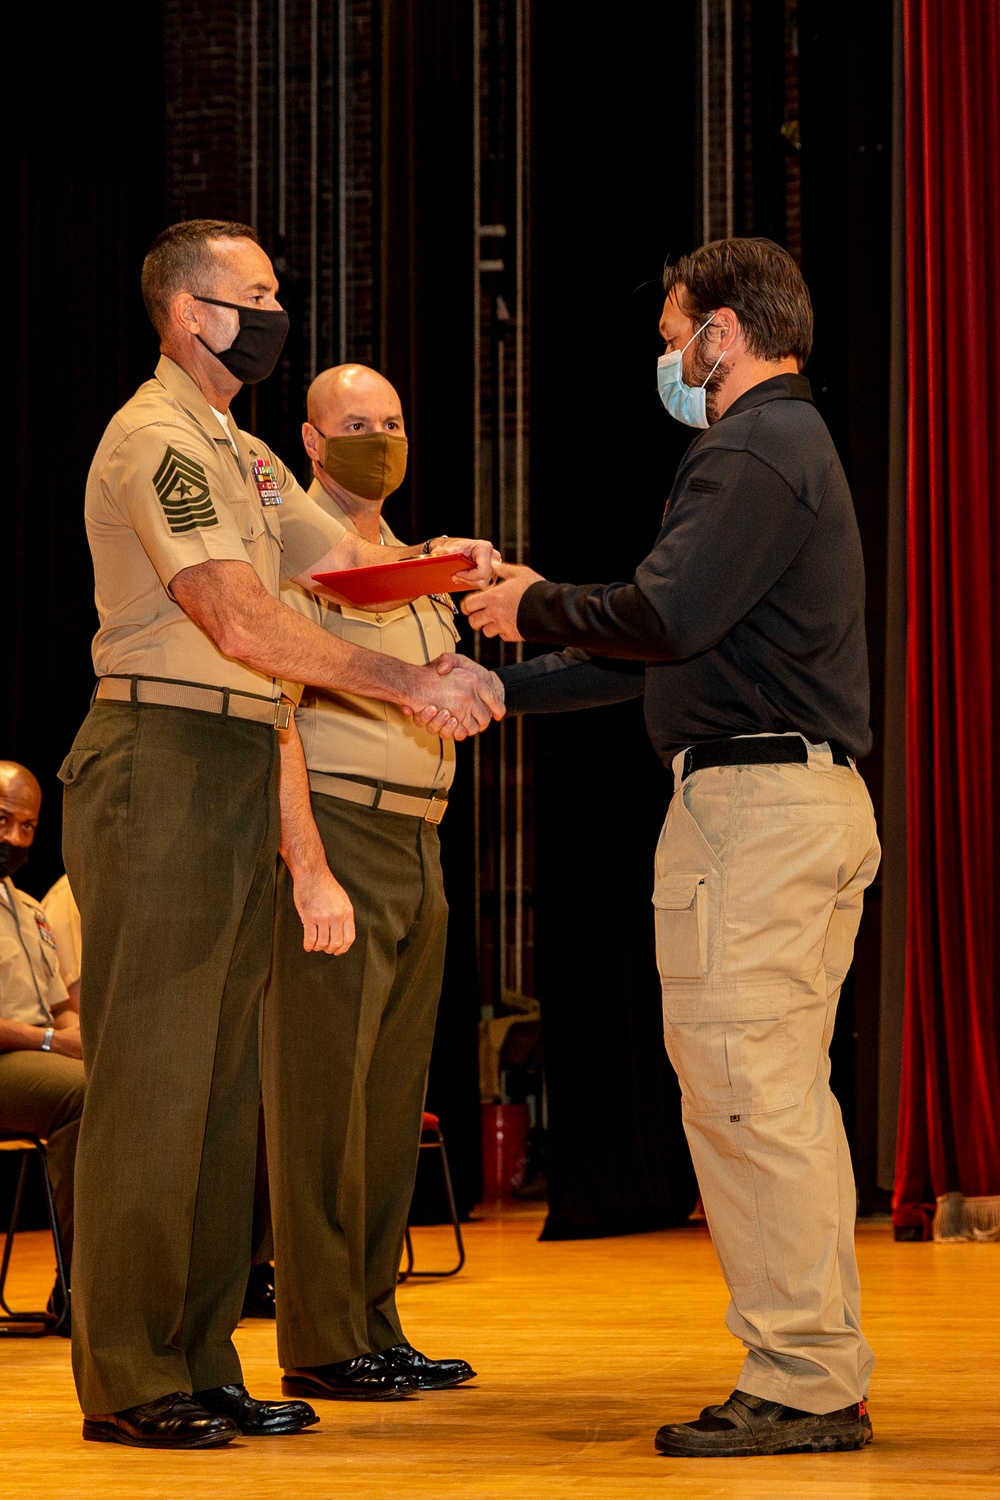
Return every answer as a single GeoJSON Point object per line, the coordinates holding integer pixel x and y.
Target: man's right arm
{"type": "Point", "coordinates": [165, 481]}
{"type": "Point", "coordinates": [566, 681]}
{"type": "Point", "coordinates": [229, 603]}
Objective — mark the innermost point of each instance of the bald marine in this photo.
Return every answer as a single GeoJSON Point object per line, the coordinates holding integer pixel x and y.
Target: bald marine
{"type": "Point", "coordinates": [356, 439]}
{"type": "Point", "coordinates": [20, 804]}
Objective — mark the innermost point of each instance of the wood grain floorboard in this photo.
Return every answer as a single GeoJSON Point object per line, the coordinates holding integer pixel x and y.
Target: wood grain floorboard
{"type": "Point", "coordinates": [583, 1349]}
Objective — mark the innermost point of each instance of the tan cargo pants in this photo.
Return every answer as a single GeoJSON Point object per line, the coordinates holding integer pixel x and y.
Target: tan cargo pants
{"type": "Point", "coordinates": [760, 875]}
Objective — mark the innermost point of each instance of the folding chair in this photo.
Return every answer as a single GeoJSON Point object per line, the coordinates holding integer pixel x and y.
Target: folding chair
{"type": "Point", "coordinates": [31, 1325]}
{"type": "Point", "coordinates": [432, 1139]}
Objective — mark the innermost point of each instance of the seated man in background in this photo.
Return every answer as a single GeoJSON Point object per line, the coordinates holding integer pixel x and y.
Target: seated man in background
{"type": "Point", "coordinates": [63, 914]}
{"type": "Point", "coordinates": [348, 1025]}
{"type": "Point", "coordinates": [41, 1074]}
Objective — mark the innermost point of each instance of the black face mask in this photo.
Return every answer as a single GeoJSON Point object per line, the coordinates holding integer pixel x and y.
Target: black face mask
{"type": "Point", "coordinates": [12, 857]}
{"type": "Point", "coordinates": [254, 351]}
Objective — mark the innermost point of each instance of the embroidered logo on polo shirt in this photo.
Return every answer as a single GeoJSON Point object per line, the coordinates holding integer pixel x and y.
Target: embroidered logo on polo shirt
{"type": "Point", "coordinates": [182, 487]}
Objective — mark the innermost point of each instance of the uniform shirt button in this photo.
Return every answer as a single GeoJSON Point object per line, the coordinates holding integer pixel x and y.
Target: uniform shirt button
{"type": "Point", "coordinates": [378, 619]}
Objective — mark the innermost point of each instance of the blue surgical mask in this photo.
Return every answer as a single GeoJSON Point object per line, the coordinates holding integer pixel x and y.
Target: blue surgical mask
{"type": "Point", "coordinates": [685, 402]}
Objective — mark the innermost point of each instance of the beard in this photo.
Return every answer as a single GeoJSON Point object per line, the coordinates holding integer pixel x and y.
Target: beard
{"type": "Point", "coordinates": [701, 373]}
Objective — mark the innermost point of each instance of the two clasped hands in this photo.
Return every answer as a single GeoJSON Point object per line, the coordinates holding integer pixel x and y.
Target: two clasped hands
{"type": "Point", "coordinates": [476, 695]}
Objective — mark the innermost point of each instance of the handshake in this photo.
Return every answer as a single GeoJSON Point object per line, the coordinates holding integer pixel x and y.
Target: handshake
{"type": "Point", "coordinates": [456, 697]}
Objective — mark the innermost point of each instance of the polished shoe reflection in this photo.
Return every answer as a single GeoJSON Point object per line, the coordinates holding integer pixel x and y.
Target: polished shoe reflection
{"type": "Point", "coordinates": [427, 1374]}
{"type": "Point", "coordinates": [256, 1418]}
{"type": "Point", "coordinates": [367, 1377]}
{"type": "Point", "coordinates": [174, 1421]}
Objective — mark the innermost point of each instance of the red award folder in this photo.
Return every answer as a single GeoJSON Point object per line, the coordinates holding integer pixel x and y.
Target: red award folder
{"type": "Point", "coordinates": [385, 582]}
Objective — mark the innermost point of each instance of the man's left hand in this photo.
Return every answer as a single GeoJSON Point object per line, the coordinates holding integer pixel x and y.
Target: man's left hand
{"type": "Point", "coordinates": [326, 912]}
{"type": "Point", "coordinates": [494, 612]}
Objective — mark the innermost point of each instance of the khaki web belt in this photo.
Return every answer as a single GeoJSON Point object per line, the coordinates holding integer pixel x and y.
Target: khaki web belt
{"type": "Point", "coordinates": [168, 693]}
{"type": "Point", "coordinates": [431, 807]}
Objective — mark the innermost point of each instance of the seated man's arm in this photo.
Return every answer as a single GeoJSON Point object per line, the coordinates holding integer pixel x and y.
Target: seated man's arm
{"type": "Point", "coordinates": [320, 900]}
{"type": "Point", "coordinates": [229, 603]}
{"type": "Point", "coordinates": [20, 1036]}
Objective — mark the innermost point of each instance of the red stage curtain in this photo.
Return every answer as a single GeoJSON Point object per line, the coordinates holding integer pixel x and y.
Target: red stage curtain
{"type": "Point", "coordinates": [949, 1126]}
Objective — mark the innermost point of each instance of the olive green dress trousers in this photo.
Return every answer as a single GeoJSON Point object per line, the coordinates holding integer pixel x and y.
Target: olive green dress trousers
{"type": "Point", "coordinates": [347, 1043]}
{"type": "Point", "coordinates": [171, 830]}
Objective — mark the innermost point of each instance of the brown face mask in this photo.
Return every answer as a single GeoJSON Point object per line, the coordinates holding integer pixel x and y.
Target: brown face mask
{"type": "Point", "coordinates": [370, 465]}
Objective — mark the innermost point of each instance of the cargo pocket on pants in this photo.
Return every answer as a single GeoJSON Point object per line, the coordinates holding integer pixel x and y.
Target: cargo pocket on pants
{"type": "Point", "coordinates": [730, 1047]}
{"type": "Point", "coordinates": [681, 902]}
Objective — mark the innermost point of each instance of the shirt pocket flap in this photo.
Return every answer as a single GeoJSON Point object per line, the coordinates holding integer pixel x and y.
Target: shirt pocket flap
{"type": "Point", "coordinates": [73, 766]}
{"type": "Point", "coordinates": [677, 890]}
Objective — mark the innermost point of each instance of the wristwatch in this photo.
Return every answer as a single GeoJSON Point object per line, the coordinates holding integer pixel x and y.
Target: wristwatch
{"type": "Point", "coordinates": [50, 1032]}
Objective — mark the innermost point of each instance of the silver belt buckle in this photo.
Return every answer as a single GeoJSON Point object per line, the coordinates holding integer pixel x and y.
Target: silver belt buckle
{"type": "Point", "coordinates": [282, 715]}
{"type": "Point", "coordinates": [436, 809]}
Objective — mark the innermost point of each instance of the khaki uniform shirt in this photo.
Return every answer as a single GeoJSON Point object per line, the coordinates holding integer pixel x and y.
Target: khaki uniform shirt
{"type": "Point", "coordinates": [344, 735]}
{"type": "Point", "coordinates": [30, 983]}
{"type": "Point", "coordinates": [167, 491]}
{"type": "Point", "coordinates": [59, 905]}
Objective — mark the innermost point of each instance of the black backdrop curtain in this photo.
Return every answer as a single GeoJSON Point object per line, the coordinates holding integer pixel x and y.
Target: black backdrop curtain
{"type": "Point", "coordinates": [89, 186]}
{"type": "Point", "coordinates": [88, 201]}
{"type": "Point", "coordinates": [611, 197]}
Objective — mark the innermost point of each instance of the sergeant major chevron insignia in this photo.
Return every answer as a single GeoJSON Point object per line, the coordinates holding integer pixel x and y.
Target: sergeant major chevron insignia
{"type": "Point", "coordinates": [182, 486]}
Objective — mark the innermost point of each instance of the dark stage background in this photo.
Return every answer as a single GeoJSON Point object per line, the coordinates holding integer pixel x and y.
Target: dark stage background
{"type": "Point", "coordinates": [364, 144]}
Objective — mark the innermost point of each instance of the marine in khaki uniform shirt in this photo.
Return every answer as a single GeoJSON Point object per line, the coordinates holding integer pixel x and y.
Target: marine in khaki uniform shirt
{"type": "Point", "coordinates": [41, 1075]}
{"type": "Point", "coordinates": [171, 831]}
{"type": "Point", "coordinates": [347, 1037]}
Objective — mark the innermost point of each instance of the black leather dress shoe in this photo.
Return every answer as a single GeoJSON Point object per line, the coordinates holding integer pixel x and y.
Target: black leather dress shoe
{"type": "Point", "coordinates": [747, 1426]}
{"type": "Point", "coordinates": [174, 1421]}
{"type": "Point", "coordinates": [367, 1377]}
{"type": "Point", "coordinates": [427, 1374]}
{"type": "Point", "coordinates": [258, 1299]}
{"type": "Point", "coordinates": [256, 1418]}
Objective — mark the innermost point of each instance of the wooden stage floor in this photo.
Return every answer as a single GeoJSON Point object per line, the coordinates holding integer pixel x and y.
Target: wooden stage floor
{"type": "Point", "coordinates": [583, 1350]}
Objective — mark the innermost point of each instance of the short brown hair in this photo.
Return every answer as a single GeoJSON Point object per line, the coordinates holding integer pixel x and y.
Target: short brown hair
{"type": "Point", "coordinates": [760, 282]}
{"type": "Point", "coordinates": [182, 257]}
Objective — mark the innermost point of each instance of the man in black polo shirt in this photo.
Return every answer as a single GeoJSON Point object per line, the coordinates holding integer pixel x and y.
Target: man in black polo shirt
{"type": "Point", "coordinates": [744, 629]}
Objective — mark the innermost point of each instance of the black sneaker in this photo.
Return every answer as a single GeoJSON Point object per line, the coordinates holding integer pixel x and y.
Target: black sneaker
{"type": "Point", "coordinates": [746, 1426]}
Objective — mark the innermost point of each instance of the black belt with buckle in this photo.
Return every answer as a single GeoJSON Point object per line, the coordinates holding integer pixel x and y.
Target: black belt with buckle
{"type": "Point", "coordinates": [755, 750]}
